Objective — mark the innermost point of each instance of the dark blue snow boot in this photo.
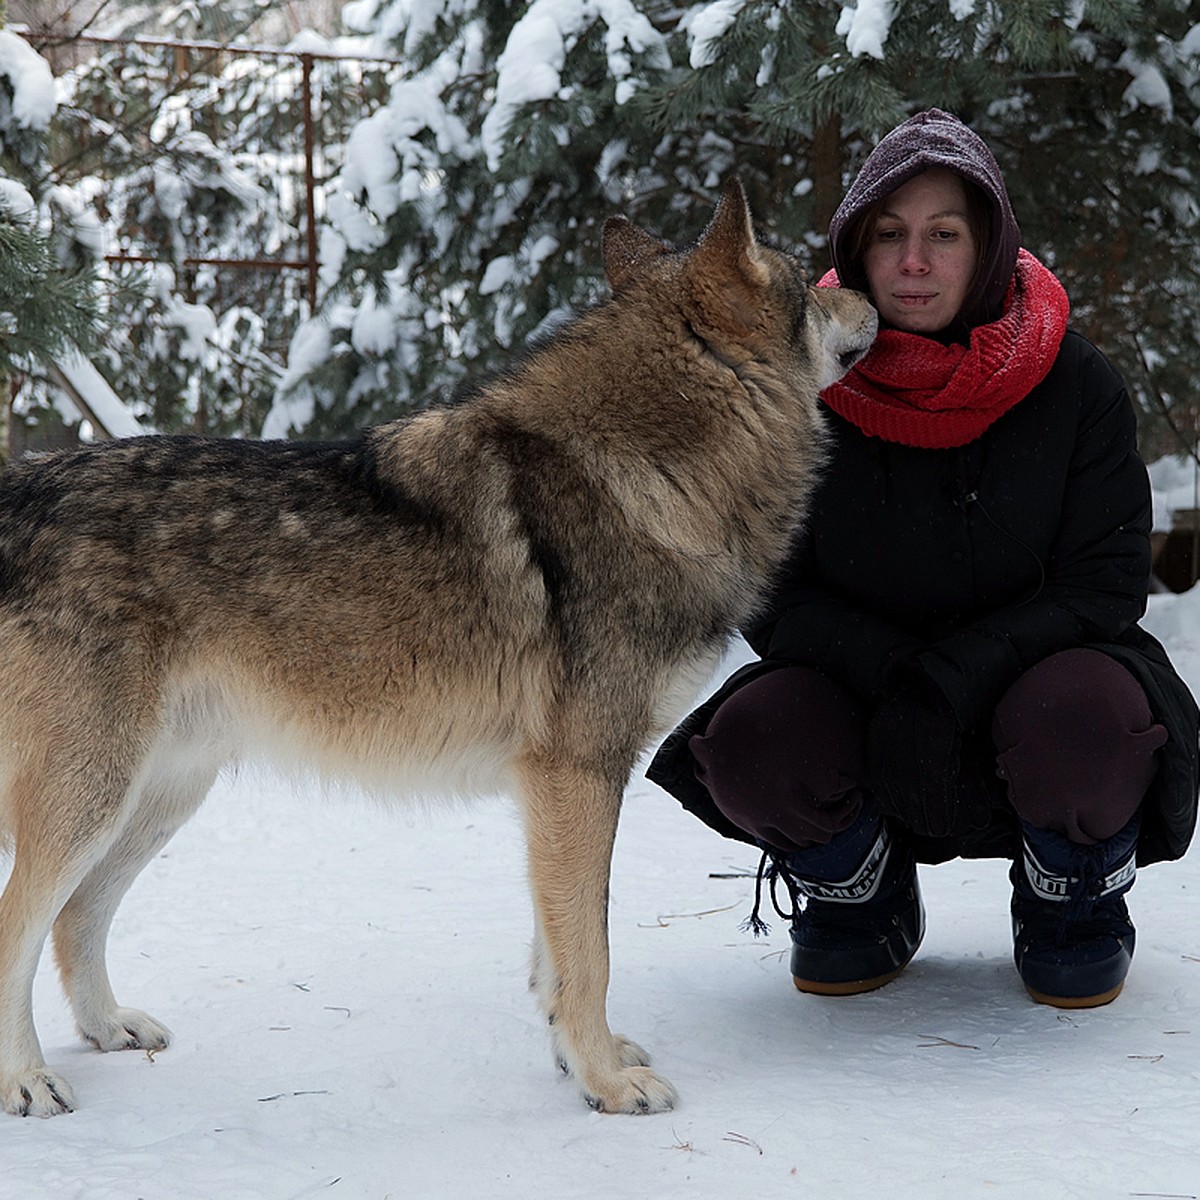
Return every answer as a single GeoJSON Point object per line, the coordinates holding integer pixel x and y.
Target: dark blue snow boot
{"type": "Point", "coordinates": [861, 919]}
{"type": "Point", "coordinates": [1072, 937]}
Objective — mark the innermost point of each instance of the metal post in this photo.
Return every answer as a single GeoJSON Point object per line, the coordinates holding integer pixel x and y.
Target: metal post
{"type": "Point", "coordinates": [310, 183]}
{"type": "Point", "coordinates": [1194, 573]}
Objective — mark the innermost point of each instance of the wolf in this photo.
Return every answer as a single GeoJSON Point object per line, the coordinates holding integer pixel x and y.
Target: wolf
{"type": "Point", "coordinates": [517, 592]}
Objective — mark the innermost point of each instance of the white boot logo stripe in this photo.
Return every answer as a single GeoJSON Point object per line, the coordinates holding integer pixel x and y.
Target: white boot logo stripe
{"type": "Point", "coordinates": [862, 885]}
{"type": "Point", "coordinates": [1049, 886]}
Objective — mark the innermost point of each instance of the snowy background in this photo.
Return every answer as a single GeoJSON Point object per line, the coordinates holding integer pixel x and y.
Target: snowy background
{"type": "Point", "coordinates": [347, 991]}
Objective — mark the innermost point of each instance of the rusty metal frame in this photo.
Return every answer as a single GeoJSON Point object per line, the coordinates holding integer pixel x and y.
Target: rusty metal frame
{"type": "Point", "coordinates": [310, 263]}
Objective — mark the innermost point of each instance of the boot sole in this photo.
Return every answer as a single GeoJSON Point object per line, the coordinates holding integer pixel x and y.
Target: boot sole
{"type": "Point", "coordinates": [911, 933]}
{"type": "Point", "coordinates": [852, 987]}
{"type": "Point", "coordinates": [1076, 1001]}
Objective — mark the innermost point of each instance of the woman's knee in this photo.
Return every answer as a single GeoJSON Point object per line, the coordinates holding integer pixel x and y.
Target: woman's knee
{"type": "Point", "coordinates": [1077, 744]}
{"type": "Point", "coordinates": [782, 757]}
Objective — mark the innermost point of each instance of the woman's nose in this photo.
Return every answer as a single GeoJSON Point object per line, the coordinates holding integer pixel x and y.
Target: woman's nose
{"type": "Point", "coordinates": [914, 261]}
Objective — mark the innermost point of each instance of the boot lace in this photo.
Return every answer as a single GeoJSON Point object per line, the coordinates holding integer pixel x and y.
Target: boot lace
{"type": "Point", "coordinates": [866, 918]}
{"type": "Point", "coordinates": [1085, 914]}
{"type": "Point", "coordinates": [771, 872]}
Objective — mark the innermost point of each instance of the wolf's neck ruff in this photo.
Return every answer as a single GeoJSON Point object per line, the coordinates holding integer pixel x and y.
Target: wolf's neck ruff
{"type": "Point", "coordinates": [914, 390]}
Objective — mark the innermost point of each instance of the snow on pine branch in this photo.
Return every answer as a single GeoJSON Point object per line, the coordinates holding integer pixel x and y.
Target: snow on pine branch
{"type": "Point", "coordinates": [393, 156]}
{"type": "Point", "coordinates": [33, 100]}
{"type": "Point", "coordinates": [402, 24]}
{"type": "Point", "coordinates": [707, 27]}
{"type": "Point", "coordinates": [530, 67]}
{"type": "Point", "coordinates": [1148, 86]}
{"type": "Point", "coordinates": [866, 26]}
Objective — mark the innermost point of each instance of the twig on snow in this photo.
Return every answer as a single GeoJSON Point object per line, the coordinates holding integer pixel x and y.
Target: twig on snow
{"type": "Point", "coordinates": [934, 1042]}
{"type": "Point", "coordinates": [662, 920]}
{"type": "Point", "coordinates": [680, 1144]}
{"type": "Point", "coordinates": [740, 1139]}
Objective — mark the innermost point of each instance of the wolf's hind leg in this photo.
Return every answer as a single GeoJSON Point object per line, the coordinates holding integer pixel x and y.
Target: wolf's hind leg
{"type": "Point", "coordinates": [81, 932]}
{"type": "Point", "coordinates": [571, 820]}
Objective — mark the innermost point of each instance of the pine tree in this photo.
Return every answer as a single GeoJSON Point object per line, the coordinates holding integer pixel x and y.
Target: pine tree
{"type": "Point", "coordinates": [48, 305]}
{"type": "Point", "coordinates": [468, 217]}
{"type": "Point", "coordinates": [43, 310]}
{"type": "Point", "coordinates": [192, 155]}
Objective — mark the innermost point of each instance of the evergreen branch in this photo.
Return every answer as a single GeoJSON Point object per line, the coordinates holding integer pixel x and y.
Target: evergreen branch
{"type": "Point", "coordinates": [45, 309]}
{"type": "Point", "coordinates": [1187, 443]}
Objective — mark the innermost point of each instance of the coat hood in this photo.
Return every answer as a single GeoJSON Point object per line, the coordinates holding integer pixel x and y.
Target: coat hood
{"type": "Point", "coordinates": [933, 139]}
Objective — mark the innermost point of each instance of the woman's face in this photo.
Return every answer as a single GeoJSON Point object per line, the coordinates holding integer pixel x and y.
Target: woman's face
{"type": "Point", "coordinates": [920, 257]}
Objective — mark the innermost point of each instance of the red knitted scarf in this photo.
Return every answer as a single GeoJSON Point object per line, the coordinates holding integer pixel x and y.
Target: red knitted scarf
{"type": "Point", "coordinates": [913, 390]}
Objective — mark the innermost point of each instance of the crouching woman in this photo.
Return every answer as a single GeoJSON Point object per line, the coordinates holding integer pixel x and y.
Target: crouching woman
{"type": "Point", "coordinates": [951, 663]}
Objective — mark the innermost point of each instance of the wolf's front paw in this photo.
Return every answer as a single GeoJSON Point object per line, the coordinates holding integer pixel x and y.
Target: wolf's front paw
{"type": "Point", "coordinates": [632, 1090]}
{"type": "Point", "coordinates": [125, 1029]}
{"type": "Point", "coordinates": [37, 1093]}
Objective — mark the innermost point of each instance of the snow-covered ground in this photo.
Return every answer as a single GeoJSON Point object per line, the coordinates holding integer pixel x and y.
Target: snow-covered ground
{"type": "Point", "coordinates": [347, 990]}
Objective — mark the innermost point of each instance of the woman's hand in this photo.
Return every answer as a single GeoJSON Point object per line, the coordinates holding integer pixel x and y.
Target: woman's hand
{"type": "Point", "coordinates": [914, 757]}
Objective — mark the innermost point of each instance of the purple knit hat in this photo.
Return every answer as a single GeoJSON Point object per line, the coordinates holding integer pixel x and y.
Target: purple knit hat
{"type": "Point", "coordinates": [934, 139]}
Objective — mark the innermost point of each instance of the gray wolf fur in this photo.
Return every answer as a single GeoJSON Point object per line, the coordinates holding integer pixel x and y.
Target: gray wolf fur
{"type": "Point", "coordinates": [519, 592]}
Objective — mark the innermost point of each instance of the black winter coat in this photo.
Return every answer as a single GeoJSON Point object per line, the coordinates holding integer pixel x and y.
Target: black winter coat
{"type": "Point", "coordinates": [987, 558]}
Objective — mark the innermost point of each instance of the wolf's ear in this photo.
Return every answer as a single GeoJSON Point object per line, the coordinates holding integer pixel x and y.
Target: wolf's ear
{"type": "Point", "coordinates": [725, 271]}
{"type": "Point", "coordinates": [625, 248]}
{"type": "Point", "coordinates": [730, 230]}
